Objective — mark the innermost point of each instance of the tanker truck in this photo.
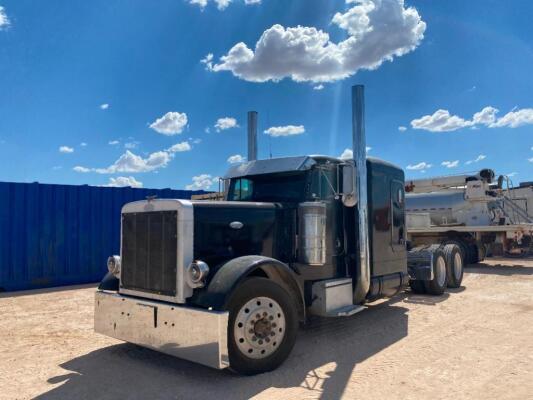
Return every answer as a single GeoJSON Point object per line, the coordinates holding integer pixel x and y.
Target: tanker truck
{"type": "Point", "coordinates": [474, 211]}
{"type": "Point", "coordinates": [227, 283]}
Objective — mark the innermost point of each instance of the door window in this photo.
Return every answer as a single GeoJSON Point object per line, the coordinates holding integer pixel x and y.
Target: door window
{"type": "Point", "coordinates": [398, 215]}
{"type": "Point", "coordinates": [242, 190]}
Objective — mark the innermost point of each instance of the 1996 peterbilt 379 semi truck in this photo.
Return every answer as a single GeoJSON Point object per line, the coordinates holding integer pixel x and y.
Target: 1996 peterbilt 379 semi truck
{"type": "Point", "coordinates": [226, 283]}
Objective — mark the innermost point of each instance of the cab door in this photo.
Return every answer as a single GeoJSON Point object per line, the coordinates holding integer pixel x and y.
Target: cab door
{"type": "Point", "coordinates": [398, 216]}
{"type": "Point", "coordinates": [387, 223]}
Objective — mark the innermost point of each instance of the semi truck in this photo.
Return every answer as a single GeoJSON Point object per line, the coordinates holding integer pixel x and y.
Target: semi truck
{"type": "Point", "coordinates": [476, 211]}
{"type": "Point", "coordinates": [228, 283]}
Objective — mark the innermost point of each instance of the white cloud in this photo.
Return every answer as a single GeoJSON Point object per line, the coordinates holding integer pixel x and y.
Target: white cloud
{"type": "Point", "coordinates": [422, 166]}
{"type": "Point", "coordinates": [4, 20]}
{"type": "Point", "coordinates": [402, 128]}
{"type": "Point", "coordinates": [208, 61]}
{"type": "Point", "coordinates": [289, 130]}
{"type": "Point", "coordinates": [450, 164]}
{"type": "Point", "coordinates": [443, 121]}
{"type": "Point", "coordinates": [511, 174]}
{"type": "Point", "coordinates": [225, 123]}
{"type": "Point", "coordinates": [347, 154]}
{"type": "Point", "coordinates": [530, 159]}
{"type": "Point", "coordinates": [202, 182]}
{"type": "Point", "coordinates": [440, 121]}
{"type": "Point", "coordinates": [378, 31]}
{"type": "Point", "coordinates": [172, 123]}
{"type": "Point", "coordinates": [514, 119]}
{"type": "Point", "coordinates": [66, 149]}
{"type": "Point", "coordinates": [83, 144]}
{"type": "Point", "coordinates": [479, 158]}
{"type": "Point", "coordinates": [131, 145]}
{"type": "Point", "coordinates": [132, 163]}
{"type": "Point", "coordinates": [237, 158]}
{"type": "Point", "coordinates": [81, 169]}
{"type": "Point", "coordinates": [180, 147]}
{"type": "Point", "coordinates": [104, 106]}
{"type": "Point", "coordinates": [487, 116]}
{"type": "Point", "coordinates": [221, 4]}
{"type": "Point", "coordinates": [124, 181]}
{"type": "Point", "coordinates": [318, 87]}
{"type": "Point", "coordinates": [200, 3]}
{"type": "Point", "coordinates": [113, 142]}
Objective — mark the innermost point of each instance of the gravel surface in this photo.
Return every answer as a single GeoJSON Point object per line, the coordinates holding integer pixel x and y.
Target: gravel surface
{"type": "Point", "coordinates": [475, 342]}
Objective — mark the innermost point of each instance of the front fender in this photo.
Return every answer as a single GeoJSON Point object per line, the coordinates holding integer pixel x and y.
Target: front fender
{"type": "Point", "coordinates": [233, 272]}
{"type": "Point", "coordinates": [110, 282]}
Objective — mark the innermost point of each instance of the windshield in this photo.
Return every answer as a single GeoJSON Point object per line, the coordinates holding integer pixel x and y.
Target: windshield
{"type": "Point", "coordinates": [271, 188]}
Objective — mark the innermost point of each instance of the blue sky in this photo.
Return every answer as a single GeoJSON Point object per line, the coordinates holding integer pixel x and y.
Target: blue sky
{"type": "Point", "coordinates": [78, 75]}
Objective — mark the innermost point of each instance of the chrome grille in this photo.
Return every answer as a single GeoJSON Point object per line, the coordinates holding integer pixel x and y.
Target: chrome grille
{"type": "Point", "coordinates": [149, 252]}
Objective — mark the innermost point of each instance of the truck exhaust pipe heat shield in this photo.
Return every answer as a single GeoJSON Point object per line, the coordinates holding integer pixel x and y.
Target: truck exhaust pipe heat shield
{"type": "Point", "coordinates": [362, 276]}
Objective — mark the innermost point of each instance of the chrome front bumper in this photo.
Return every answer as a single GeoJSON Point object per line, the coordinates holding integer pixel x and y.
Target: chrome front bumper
{"type": "Point", "coordinates": [189, 333]}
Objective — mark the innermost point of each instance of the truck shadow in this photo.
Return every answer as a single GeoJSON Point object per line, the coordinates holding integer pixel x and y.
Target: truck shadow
{"type": "Point", "coordinates": [500, 269]}
{"type": "Point", "coordinates": [424, 299]}
{"type": "Point", "coordinates": [326, 355]}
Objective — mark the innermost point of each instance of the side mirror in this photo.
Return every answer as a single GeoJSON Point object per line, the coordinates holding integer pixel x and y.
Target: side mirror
{"type": "Point", "coordinates": [349, 193]}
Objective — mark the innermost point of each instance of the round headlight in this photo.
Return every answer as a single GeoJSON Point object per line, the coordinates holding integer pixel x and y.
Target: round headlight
{"type": "Point", "coordinates": [113, 265]}
{"type": "Point", "coordinates": [196, 273]}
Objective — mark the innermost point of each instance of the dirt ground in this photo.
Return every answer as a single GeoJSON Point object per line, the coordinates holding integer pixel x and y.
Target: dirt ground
{"type": "Point", "coordinates": [475, 342]}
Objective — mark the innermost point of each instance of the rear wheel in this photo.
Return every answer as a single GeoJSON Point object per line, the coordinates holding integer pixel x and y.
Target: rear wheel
{"type": "Point", "coordinates": [455, 265]}
{"type": "Point", "coordinates": [438, 284]}
{"type": "Point", "coordinates": [262, 328]}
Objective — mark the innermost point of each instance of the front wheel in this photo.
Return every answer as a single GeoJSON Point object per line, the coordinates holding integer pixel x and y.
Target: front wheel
{"type": "Point", "coordinates": [263, 323]}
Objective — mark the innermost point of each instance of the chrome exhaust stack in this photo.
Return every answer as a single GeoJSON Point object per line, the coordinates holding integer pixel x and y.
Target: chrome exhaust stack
{"type": "Point", "coordinates": [362, 276]}
{"type": "Point", "coordinates": [252, 135]}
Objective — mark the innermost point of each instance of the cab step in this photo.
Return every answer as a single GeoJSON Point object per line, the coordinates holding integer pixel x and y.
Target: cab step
{"type": "Point", "coordinates": [334, 298]}
{"type": "Point", "coordinates": [346, 311]}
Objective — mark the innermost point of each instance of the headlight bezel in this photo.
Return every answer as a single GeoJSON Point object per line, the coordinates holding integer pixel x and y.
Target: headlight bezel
{"type": "Point", "coordinates": [196, 273]}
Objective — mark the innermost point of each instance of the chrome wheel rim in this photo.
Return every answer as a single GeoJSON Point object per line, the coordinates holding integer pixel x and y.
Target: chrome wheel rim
{"type": "Point", "coordinates": [441, 271]}
{"type": "Point", "coordinates": [259, 327]}
{"type": "Point", "coordinates": [457, 266]}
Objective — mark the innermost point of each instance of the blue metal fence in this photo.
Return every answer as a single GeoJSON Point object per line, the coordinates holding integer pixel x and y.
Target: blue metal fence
{"type": "Point", "coordinates": [53, 235]}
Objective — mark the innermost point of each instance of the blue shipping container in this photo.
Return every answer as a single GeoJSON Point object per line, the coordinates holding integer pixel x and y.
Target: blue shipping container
{"type": "Point", "coordinates": [53, 235]}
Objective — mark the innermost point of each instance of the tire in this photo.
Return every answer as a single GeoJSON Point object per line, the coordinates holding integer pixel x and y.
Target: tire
{"type": "Point", "coordinates": [263, 323]}
{"type": "Point", "coordinates": [473, 254]}
{"type": "Point", "coordinates": [438, 284]}
{"type": "Point", "coordinates": [462, 247]}
{"type": "Point", "coordinates": [417, 286]}
{"type": "Point", "coordinates": [454, 265]}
